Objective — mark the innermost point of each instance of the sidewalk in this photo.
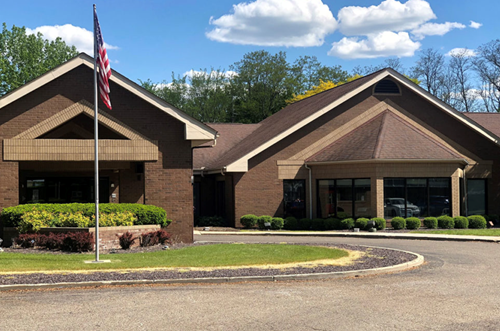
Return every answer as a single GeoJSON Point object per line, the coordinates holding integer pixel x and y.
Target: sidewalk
{"type": "Point", "coordinates": [380, 235]}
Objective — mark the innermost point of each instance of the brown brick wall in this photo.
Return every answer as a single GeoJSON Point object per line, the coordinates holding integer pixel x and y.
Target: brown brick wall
{"type": "Point", "coordinates": [260, 190]}
{"type": "Point", "coordinates": [166, 183]}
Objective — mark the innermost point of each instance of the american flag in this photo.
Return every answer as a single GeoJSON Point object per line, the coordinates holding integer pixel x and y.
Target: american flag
{"type": "Point", "coordinates": [102, 63]}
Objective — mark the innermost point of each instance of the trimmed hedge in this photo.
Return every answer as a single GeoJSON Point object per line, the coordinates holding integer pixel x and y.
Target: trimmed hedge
{"type": "Point", "coordinates": [446, 222]}
{"type": "Point", "coordinates": [70, 242]}
{"type": "Point", "coordinates": [305, 224]}
{"type": "Point", "coordinates": [361, 223]}
{"type": "Point", "coordinates": [146, 214]}
{"type": "Point", "coordinates": [263, 220]}
{"type": "Point", "coordinates": [347, 223]}
{"type": "Point", "coordinates": [291, 223]}
{"type": "Point", "coordinates": [380, 223]}
{"type": "Point", "coordinates": [332, 224]}
{"type": "Point", "coordinates": [476, 222]}
{"type": "Point", "coordinates": [398, 223]}
{"type": "Point", "coordinates": [413, 223]}
{"type": "Point", "coordinates": [431, 222]}
{"type": "Point", "coordinates": [249, 221]}
{"type": "Point", "coordinates": [461, 222]}
{"type": "Point", "coordinates": [277, 223]}
{"type": "Point", "coordinates": [318, 224]}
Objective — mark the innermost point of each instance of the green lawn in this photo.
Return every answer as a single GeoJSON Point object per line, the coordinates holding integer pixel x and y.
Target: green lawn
{"type": "Point", "coordinates": [196, 256]}
{"type": "Point", "coordinates": [464, 232]}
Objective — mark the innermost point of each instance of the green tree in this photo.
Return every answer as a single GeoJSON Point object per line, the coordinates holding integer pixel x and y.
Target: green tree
{"type": "Point", "coordinates": [262, 85]}
{"type": "Point", "coordinates": [24, 57]}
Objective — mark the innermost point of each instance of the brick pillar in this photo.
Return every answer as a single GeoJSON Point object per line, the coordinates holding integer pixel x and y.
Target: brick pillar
{"type": "Point", "coordinates": [9, 184]}
{"type": "Point", "coordinates": [455, 192]}
{"type": "Point", "coordinates": [378, 198]}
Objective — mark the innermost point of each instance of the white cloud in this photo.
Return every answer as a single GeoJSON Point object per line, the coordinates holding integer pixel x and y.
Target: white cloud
{"type": "Point", "coordinates": [390, 15]}
{"type": "Point", "coordinates": [475, 25]}
{"type": "Point", "coordinates": [81, 38]}
{"type": "Point", "coordinates": [298, 23]}
{"type": "Point", "coordinates": [462, 51]}
{"type": "Point", "coordinates": [435, 29]}
{"type": "Point", "coordinates": [227, 74]}
{"type": "Point", "coordinates": [386, 43]}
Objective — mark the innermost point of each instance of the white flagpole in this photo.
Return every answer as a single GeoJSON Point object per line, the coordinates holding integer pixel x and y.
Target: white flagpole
{"type": "Point", "coordinates": [96, 148]}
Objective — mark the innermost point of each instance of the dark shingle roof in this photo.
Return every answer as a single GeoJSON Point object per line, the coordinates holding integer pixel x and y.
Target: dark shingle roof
{"type": "Point", "coordinates": [386, 136]}
{"type": "Point", "coordinates": [286, 118]}
{"type": "Point", "coordinates": [230, 134]}
{"type": "Point", "coordinates": [490, 121]}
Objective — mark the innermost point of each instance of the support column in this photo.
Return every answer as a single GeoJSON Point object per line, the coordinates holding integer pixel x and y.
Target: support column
{"type": "Point", "coordinates": [455, 193]}
{"type": "Point", "coordinates": [378, 198]}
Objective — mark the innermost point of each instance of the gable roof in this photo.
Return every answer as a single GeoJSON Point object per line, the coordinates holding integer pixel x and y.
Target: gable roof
{"type": "Point", "coordinates": [194, 129]}
{"type": "Point", "coordinates": [490, 121]}
{"type": "Point", "coordinates": [231, 134]}
{"type": "Point", "coordinates": [295, 116]}
{"type": "Point", "coordinates": [385, 137]}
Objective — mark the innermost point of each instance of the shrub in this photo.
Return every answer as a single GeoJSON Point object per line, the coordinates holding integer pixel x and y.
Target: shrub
{"type": "Point", "coordinates": [476, 222]}
{"type": "Point", "coordinates": [248, 221]}
{"type": "Point", "coordinates": [413, 223]}
{"type": "Point", "coordinates": [261, 222]}
{"type": "Point", "coordinates": [277, 223]}
{"type": "Point", "coordinates": [154, 238]}
{"type": "Point", "coordinates": [446, 222]}
{"type": "Point", "coordinates": [332, 224]}
{"type": "Point", "coordinates": [210, 221]}
{"type": "Point", "coordinates": [342, 215]}
{"type": "Point", "coordinates": [126, 240]}
{"type": "Point", "coordinates": [77, 220]}
{"type": "Point", "coordinates": [51, 241]}
{"type": "Point", "coordinates": [27, 240]}
{"type": "Point", "coordinates": [34, 220]}
{"type": "Point", "coordinates": [380, 223]}
{"type": "Point", "coordinates": [305, 224]}
{"type": "Point", "coordinates": [145, 214]}
{"type": "Point", "coordinates": [461, 222]}
{"type": "Point", "coordinates": [431, 222]}
{"type": "Point", "coordinates": [318, 224]}
{"type": "Point", "coordinates": [78, 242]}
{"type": "Point", "coordinates": [398, 223]}
{"type": "Point", "coordinates": [114, 219]}
{"type": "Point", "coordinates": [361, 223]}
{"type": "Point", "coordinates": [291, 223]}
{"type": "Point", "coordinates": [347, 223]}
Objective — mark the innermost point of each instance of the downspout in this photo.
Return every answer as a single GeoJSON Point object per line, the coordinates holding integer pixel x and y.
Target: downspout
{"type": "Point", "coordinates": [310, 192]}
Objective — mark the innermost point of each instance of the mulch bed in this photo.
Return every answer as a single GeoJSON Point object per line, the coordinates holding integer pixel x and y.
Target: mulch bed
{"type": "Point", "coordinates": [375, 258]}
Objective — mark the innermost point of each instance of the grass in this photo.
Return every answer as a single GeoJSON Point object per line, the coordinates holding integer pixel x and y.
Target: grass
{"type": "Point", "coordinates": [218, 255]}
{"type": "Point", "coordinates": [464, 232]}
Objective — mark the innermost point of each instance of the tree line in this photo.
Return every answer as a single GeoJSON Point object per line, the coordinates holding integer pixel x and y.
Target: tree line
{"type": "Point", "coordinates": [262, 83]}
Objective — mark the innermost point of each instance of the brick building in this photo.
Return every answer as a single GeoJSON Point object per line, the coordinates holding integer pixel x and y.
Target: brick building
{"type": "Point", "coordinates": [145, 146]}
{"type": "Point", "coordinates": [377, 146]}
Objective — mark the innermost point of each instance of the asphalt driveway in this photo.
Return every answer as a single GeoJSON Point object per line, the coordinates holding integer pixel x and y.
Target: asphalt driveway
{"type": "Point", "coordinates": [457, 289]}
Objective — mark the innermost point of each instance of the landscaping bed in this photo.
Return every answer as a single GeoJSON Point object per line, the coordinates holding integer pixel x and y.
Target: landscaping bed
{"type": "Point", "coordinates": [375, 258]}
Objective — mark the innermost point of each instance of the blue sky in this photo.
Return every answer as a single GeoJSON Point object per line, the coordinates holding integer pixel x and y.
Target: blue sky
{"type": "Point", "coordinates": [152, 39]}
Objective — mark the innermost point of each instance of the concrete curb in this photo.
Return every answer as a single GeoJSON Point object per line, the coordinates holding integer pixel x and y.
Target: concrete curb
{"type": "Point", "coordinates": [374, 235]}
{"type": "Point", "coordinates": [419, 260]}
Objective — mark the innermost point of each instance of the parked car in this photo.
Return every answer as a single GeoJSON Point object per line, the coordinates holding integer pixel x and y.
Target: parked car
{"type": "Point", "coordinates": [396, 207]}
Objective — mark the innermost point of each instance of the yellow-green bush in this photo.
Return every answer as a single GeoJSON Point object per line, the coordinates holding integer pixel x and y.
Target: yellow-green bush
{"type": "Point", "coordinates": [72, 220]}
{"type": "Point", "coordinates": [34, 220]}
{"type": "Point", "coordinates": [115, 219]}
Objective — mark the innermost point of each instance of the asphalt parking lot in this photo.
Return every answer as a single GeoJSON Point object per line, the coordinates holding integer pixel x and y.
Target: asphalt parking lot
{"type": "Point", "coordinates": [457, 289]}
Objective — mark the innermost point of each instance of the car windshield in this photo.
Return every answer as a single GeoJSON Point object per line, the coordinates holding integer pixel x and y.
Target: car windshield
{"type": "Point", "coordinates": [397, 201]}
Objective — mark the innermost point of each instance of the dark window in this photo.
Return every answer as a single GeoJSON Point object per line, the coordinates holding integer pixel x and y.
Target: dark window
{"type": "Point", "coordinates": [476, 196]}
{"type": "Point", "coordinates": [417, 197]}
{"type": "Point", "coordinates": [386, 86]}
{"type": "Point", "coordinates": [63, 190]}
{"type": "Point", "coordinates": [346, 197]}
{"type": "Point", "coordinates": [294, 198]}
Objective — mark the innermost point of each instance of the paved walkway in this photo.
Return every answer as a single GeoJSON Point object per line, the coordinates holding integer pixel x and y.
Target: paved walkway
{"type": "Point", "coordinates": [380, 235]}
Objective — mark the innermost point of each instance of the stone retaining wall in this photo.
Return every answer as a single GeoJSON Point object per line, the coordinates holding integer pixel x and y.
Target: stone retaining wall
{"type": "Point", "coordinates": [108, 236]}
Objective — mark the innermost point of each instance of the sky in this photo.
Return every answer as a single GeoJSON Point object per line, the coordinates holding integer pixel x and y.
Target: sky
{"type": "Point", "coordinates": [151, 39]}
